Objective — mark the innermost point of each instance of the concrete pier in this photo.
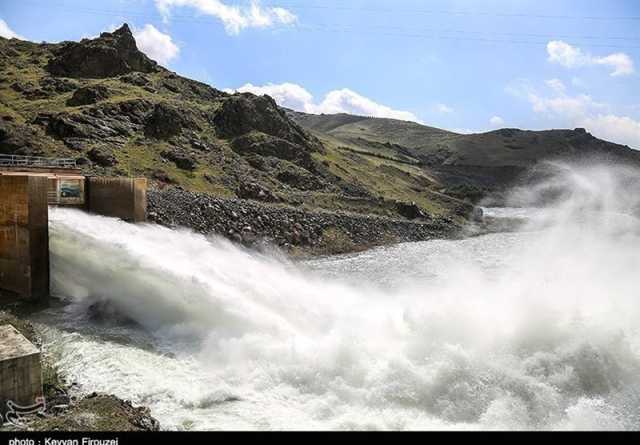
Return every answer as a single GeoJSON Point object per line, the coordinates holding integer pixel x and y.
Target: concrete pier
{"type": "Point", "coordinates": [20, 369]}
{"type": "Point", "coordinates": [28, 186]}
{"type": "Point", "coordinates": [24, 236]}
{"type": "Point", "coordinates": [124, 198]}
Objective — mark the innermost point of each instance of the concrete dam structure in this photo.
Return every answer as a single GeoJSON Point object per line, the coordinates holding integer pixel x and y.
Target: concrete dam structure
{"type": "Point", "coordinates": [28, 186]}
{"type": "Point", "coordinates": [20, 370]}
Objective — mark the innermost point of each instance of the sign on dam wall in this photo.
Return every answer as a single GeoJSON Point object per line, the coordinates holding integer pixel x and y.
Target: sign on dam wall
{"type": "Point", "coordinates": [25, 197]}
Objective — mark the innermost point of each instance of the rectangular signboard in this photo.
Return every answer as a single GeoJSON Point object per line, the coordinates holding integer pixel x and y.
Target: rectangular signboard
{"type": "Point", "coordinates": [71, 191]}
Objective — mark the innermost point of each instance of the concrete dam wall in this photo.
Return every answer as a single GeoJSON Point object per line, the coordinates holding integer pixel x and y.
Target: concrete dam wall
{"type": "Point", "coordinates": [25, 197]}
{"type": "Point", "coordinates": [24, 236]}
{"type": "Point", "coordinates": [124, 198]}
{"type": "Point", "coordinates": [26, 192]}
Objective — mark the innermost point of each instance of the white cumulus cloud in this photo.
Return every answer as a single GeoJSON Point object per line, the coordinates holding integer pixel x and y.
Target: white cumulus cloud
{"type": "Point", "coordinates": [621, 129]}
{"type": "Point", "coordinates": [289, 95]}
{"type": "Point", "coordinates": [347, 101]}
{"type": "Point", "coordinates": [155, 44]}
{"type": "Point", "coordinates": [496, 121]}
{"type": "Point", "coordinates": [559, 103]}
{"type": "Point", "coordinates": [443, 108]}
{"type": "Point", "coordinates": [556, 85]}
{"type": "Point", "coordinates": [572, 57]}
{"type": "Point", "coordinates": [580, 110]}
{"type": "Point", "coordinates": [235, 18]}
{"type": "Point", "coordinates": [294, 96]}
{"type": "Point", "coordinates": [564, 105]}
{"type": "Point", "coordinates": [7, 32]}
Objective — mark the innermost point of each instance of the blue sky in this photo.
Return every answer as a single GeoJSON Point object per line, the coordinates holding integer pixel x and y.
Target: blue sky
{"type": "Point", "coordinates": [462, 65]}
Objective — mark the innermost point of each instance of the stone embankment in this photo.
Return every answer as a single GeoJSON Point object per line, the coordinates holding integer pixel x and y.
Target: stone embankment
{"type": "Point", "coordinates": [293, 229]}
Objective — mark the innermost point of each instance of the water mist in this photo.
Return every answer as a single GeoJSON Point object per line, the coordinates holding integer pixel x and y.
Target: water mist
{"type": "Point", "coordinates": [535, 329]}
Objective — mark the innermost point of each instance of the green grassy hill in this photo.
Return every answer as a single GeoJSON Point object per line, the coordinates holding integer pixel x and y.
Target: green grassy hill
{"type": "Point", "coordinates": [465, 165]}
{"type": "Point", "coordinates": [378, 130]}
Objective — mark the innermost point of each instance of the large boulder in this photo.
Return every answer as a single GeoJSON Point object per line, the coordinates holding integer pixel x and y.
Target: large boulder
{"type": "Point", "coordinates": [18, 139]}
{"type": "Point", "coordinates": [103, 156]}
{"type": "Point", "coordinates": [134, 111]}
{"type": "Point", "coordinates": [166, 121]}
{"type": "Point", "coordinates": [59, 126]}
{"type": "Point", "coordinates": [243, 113]}
{"type": "Point", "coordinates": [409, 210]}
{"type": "Point", "coordinates": [182, 160]}
{"type": "Point", "coordinates": [88, 95]}
{"type": "Point", "coordinates": [110, 55]}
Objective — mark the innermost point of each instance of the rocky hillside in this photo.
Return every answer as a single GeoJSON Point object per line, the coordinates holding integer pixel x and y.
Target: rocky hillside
{"type": "Point", "coordinates": [465, 164]}
{"type": "Point", "coordinates": [104, 103]}
{"type": "Point", "coordinates": [107, 105]}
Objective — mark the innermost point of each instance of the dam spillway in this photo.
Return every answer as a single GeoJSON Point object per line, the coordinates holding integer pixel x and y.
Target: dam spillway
{"type": "Point", "coordinates": [28, 186]}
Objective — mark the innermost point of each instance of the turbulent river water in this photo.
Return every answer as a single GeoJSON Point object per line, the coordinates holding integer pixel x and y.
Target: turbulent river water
{"type": "Point", "coordinates": [530, 329]}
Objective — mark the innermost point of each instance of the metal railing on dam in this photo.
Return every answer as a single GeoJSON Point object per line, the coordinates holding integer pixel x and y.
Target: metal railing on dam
{"type": "Point", "coordinates": [36, 161]}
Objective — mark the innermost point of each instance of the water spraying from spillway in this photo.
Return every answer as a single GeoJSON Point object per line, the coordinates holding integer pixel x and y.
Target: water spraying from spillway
{"type": "Point", "coordinates": [530, 330]}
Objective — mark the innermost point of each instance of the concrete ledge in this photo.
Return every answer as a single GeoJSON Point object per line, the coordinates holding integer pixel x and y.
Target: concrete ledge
{"type": "Point", "coordinates": [20, 369]}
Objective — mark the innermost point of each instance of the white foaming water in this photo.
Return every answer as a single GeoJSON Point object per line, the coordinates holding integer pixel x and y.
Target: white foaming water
{"type": "Point", "coordinates": [529, 330]}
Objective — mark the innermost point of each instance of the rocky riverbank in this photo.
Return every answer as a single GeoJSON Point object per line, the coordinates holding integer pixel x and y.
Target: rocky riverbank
{"type": "Point", "coordinates": [67, 412]}
{"type": "Point", "coordinates": [297, 231]}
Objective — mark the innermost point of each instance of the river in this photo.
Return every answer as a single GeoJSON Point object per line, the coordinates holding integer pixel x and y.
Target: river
{"type": "Point", "coordinates": [529, 329]}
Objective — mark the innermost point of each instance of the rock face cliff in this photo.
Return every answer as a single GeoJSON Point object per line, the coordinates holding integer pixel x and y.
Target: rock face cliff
{"type": "Point", "coordinates": [105, 103]}
{"type": "Point", "coordinates": [110, 55]}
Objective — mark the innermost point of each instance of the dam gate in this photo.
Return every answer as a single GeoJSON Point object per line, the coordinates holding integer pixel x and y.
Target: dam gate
{"type": "Point", "coordinates": [28, 186]}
